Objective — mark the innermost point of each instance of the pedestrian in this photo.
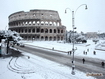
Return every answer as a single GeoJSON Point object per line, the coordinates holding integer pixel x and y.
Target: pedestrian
{"type": "Point", "coordinates": [53, 48]}
{"type": "Point", "coordinates": [28, 57]}
{"type": "Point", "coordinates": [102, 63]}
{"type": "Point", "coordinates": [94, 52]}
{"type": "Point", "coordinates": [70, 52]}
{"type": "Point", "coordinates": [83, 60]}
{"type": "Point", "coordinates": [84, 52]}
{"type": "Point", "coordinates": [87, 50]}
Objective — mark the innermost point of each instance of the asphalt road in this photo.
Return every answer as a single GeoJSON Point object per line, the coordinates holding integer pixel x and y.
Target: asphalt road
{"type": "Point", "coordinates": [91, 65]}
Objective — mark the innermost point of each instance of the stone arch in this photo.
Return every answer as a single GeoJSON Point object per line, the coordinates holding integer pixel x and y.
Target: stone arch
{"type": "Point", "coordinates": [58, 31]}
{"type": "Point", "coordinates": [46, 23]}
{"type": "Point", "coordinates": [58, 38]}
{"type": "Point", "coordinates": [61, 31]}
{"type": "Point", "coordinates": [33, 30]}
{"type": "Point", "coordinates": [29, 30]}
{"type": "Point", "coordinates": [30, 23]}
{"type": "Point", "coordinates": [38, 23]}
{"type": "Point", "coordinates": [57, 23]}
{"type": "Point", "coordinates": [61, 38]}
{"type": "Point", "coordinates": [37, 38]}
{"type": "Point", "coordinates": [54, 23]}
{"type": "Point", "coordinates": [25, 30]}
{"type": "Point", "coordinates": [50, 30]}
{"type": "Point", "coordinates": [33, 22]}
{"type": "Point", "coordinates": [42, 30]}
{"type": "Point", "coordinates": [46, 30]}
{"type": "Point", "coordinates": [26, 23]}
{"type": "Point", "coordinates": [50, 23]}
{"type": "Point", "coordinates": [54, 38]}
{"type": "Point", "coordinates": [37, 30]}
{"type": "Point", "coordinates": [46, 38]}
{"type": "Point", "coordinates": [42, 38]}
{"type": "Point", "coordinates": [42, 22]}
{"type": "Point", "coordinates": [50, 38]}
{"type": "Point", "coordinates": [54, 30]}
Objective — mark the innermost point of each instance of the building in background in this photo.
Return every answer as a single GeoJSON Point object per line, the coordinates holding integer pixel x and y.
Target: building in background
{"type": "Point", "coordinates": [38, 25]}
{"type": "Point", "coordinates": [91, 35]}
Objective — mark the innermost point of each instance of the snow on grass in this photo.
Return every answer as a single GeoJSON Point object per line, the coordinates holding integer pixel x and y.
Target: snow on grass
{"type": "Point", "coordinates": [33, 67]}
{"type": "Point", "coordinates": [68, 47]}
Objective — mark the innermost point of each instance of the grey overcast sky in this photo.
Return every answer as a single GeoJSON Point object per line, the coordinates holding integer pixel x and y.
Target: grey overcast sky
{"type": "Point", "coordinates": [90, 20]}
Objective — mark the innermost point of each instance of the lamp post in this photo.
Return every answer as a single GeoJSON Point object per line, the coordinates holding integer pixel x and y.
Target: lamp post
{"type": "Point", "coordinates": [73, 26]}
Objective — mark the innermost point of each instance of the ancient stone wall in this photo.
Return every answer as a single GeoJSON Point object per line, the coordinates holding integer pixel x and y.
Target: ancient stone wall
{"type": "Point", "coordinates": [37, 25]}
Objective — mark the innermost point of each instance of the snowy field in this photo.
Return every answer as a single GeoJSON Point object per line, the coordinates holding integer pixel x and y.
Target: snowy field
{"type": "Point", "coordinates": [39, 68]}
{"type": "Point", "coordinates": [36, 68]}
{"type": "Point", "coordinates": [68, 47]}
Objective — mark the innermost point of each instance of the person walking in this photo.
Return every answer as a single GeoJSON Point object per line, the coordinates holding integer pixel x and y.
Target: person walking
{"type": "Point", "coordinates": [83, 60]}
{"type": "Point", "coordinates": [94, 52]}
{"type": "Point", "coordinates": [84, 52]}
{"type": "Point", "coordinates": [102, 63]}
{"type": "Point", "coordinates": [70, 52]}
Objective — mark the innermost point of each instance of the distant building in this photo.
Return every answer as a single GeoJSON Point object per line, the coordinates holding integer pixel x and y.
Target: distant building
{"type": "Point", "coordinates": [91, 35]}
{"type": "Point", "coordinates": [38, 25]}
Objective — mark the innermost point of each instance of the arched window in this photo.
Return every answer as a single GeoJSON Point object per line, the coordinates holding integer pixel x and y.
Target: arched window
{"type": "Point", "coordinates": [58, 38]}
{"type": "Point", "coordinates": [54, 30]}
{"type": "Point", "coordinates": [50, 38]}
{"type": "Point", "coordinates": [22, 30]}
{"type": "Point", "coordinates": [38, 22]}
{"type": "Point", "coordinates": [26, 23]}
{"type": "Point", "coordinates": [54, 23]}
{"type": "Point", "coordinates": [42, 22]}
{"type": "Point", "coordinates": [46, 30]}
{"type": "Point", "coordinates": [61, 31]}
{"type": "Point", "coordinates": [33, 22]}
{"type": "Point", "coordinates": [38, 30]}
{"type": "Point", "coordinates": [30, 23]}
{"type": "Point", "coordinates": [50, 23]}
{"type": "Point", "coordinates": [58, 31]}
{"type": "Point", "coordinates": [25, 30]}
{"type": "Point", "coordinates": [42, 38]}
{"type": "Point", "coordinates": [61, 38]}
{"type": "Point", "coordinates": [54, 38]}
{"type": "Point", "coordinates": [29, 30]}
{"type": "Point", "coordinates": [46, 23]}
{"type": "Point", "coordinates": [58, 24]}
{"type": "Point", "coordinates": [42, 30]}
{"type": "Point", "coordinates": [46, 38]}
{"type": "Point", "coordinates": [33, 30]}
{"type": "Point", "coordinates": [50, 30]}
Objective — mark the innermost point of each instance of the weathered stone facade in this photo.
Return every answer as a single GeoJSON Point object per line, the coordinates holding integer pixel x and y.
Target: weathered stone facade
{"type": "Point", "coordinates": [38, 25]}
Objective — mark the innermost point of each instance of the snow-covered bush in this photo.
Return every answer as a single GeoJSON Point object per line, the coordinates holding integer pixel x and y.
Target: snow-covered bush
{"type": "Point", "coordinates": [10, 36]}
{"type": "Point", "coordinates": [76, 37]}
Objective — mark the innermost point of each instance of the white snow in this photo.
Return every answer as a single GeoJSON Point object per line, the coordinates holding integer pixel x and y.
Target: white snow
{"type": "Point", "coordinates": [33, 67]}
{"type": "Point", "coordinates": [36, 68]}
{"type": "Point", "coordinates": [68, 47]}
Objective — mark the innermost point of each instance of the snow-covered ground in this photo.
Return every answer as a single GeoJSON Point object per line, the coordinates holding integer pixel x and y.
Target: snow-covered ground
{"type": "Point", "coordinates": [36, 68]}
{"type": "Point", "coordinates": [68, 47]}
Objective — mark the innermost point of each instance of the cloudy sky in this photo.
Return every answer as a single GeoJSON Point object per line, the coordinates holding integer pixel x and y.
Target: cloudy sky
{"type": "Point", "coordinates": [90, 20]}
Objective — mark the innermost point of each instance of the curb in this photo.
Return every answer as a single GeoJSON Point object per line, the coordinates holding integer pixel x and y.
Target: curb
{"type": "Point", "coordinates": [47, 48]}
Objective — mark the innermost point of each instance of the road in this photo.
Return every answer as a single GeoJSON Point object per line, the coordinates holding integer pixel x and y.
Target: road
{"type": "Point", "coordinates": [91, 65]}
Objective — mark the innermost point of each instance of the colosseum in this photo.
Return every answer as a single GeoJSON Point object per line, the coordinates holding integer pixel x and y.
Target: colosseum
{"type": "Point", "coordinates": [37, 25]}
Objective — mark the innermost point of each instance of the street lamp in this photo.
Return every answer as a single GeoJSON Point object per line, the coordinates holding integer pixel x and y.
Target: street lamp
{"type": "Point", "coordinates": [73, 62]}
